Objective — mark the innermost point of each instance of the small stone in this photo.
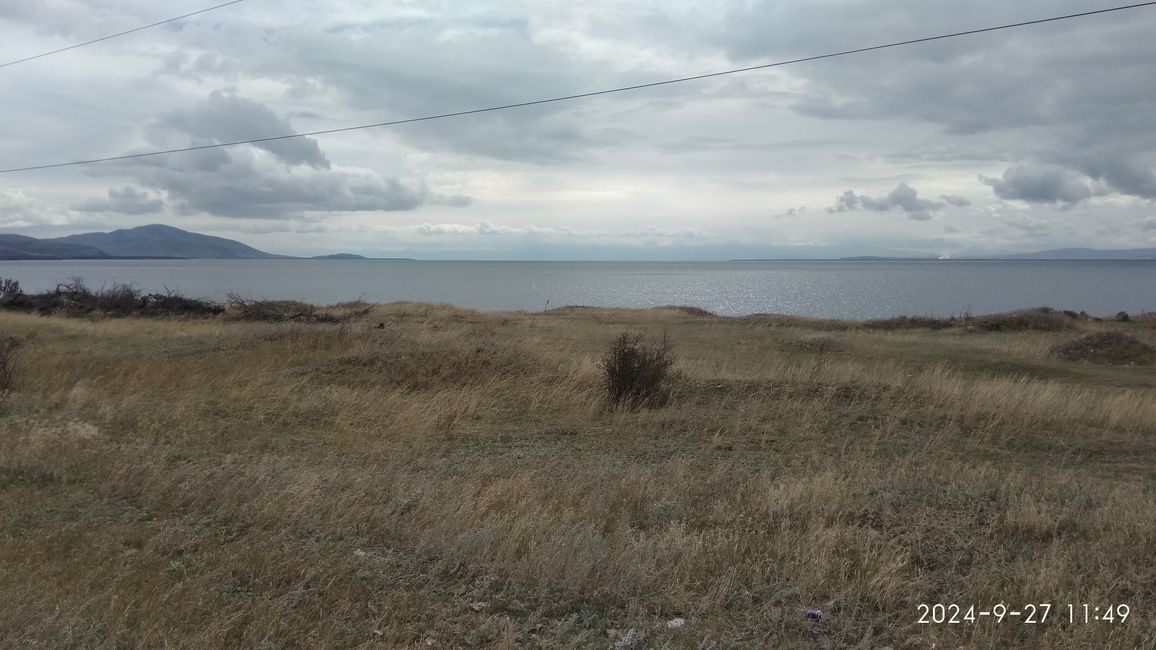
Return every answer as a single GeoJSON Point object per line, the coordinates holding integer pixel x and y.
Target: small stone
{"type": "Point", "coordinates": [477, 606]}
{"type": "Point", "coordinates": [676, 623]}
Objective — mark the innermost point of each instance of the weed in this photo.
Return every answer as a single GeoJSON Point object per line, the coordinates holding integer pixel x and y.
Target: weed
{"type": "Point", "coordinates": [636, 373]}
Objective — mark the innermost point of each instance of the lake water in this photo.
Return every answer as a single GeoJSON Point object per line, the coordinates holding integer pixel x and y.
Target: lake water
{"type": "Point", "coordinates": [838, 289]}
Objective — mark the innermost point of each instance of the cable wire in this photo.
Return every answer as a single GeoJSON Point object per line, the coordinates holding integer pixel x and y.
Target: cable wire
{"type": "Point", "coordinates": [595, 93]}
{"type": "Point", "coordinates": [119, 34]}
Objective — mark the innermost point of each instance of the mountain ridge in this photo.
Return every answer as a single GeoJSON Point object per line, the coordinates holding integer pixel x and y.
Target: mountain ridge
{"type": "Point", "coordinates": [20, 247]}
{"type": "Point", "coordinates": [159, 240]}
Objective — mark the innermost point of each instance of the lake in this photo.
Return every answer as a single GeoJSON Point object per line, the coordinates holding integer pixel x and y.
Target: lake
{"type": "Point", "coordinates": [836, 289]}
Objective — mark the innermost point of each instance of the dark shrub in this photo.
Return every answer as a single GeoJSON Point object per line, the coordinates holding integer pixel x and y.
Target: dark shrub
{"type": "Point", "coordinates": [74, 298]}
{"type": "Point", "coordinates": [271, 310]}
{"type": "Point", "coordinates": [173, 303]}
{"type": "Point", "coordinates": [283, 311]}
{"type": "Point", "coordinates": [120, 299]}
{"type": "Point", "coordinates": [9, 291]}
{"type": "Point", "coordinates": [637, 374]}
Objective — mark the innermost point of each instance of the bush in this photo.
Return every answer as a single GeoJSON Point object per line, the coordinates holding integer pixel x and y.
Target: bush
{"type": "Point", "coordinates": [276, 311]}
{"type": "Point", "coordinates": [286, 311]}
{"type": "Point", "coordinates": [74, 298]}
{"type": "Point", "coordinates": [637, 374]}
{"type": "Point", "coordinates": [9, 290]}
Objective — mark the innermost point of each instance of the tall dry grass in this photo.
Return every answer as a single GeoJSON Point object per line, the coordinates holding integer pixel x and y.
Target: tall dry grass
{"type": "Point", "coordinates": [455, 479]}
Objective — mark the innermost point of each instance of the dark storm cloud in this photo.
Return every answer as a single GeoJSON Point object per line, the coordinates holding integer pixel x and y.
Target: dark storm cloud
{"type": "Point", "coordinates": [904, 197]}
{"type": "Point", "coordinates": [277, 180]}
{"type": "Point", "coordinates": [1125, 175]}
{"type": "Point", "coordinates": [124, 201]}
{"type": "Point", "coordinates": [1032, 183]}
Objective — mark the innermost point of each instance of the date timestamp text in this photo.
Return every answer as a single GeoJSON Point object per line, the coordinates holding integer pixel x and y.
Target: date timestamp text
{"type": "Point", "coordinates": [1028, 614]}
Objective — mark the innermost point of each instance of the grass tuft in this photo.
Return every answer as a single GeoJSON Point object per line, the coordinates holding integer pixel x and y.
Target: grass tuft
{"type": "Point", "coordinates": [636, 373]}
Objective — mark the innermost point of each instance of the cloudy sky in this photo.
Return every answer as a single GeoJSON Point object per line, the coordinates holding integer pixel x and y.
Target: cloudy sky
{"type": "Point", "coordinates": [1024, 139]}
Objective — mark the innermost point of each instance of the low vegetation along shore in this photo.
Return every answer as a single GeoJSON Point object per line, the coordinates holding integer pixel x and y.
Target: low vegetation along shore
{"type": "Point", "coordinates": [277, 475]}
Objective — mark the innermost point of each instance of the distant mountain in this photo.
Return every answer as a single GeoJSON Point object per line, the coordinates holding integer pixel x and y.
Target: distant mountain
{"type": "Point", "coordinates": [1087, 254]}
{"type": "Point", "coordinates": [163, 241]}
{"type": "Point", "coordinates": [154, 241]}
{"type": "Point", "coordinates": [339, 256]}
{"type": "Point", "coordinates": [19, 247]}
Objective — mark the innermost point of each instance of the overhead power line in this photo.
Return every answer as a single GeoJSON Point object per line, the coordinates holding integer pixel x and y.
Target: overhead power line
{"type": "Point", "coordinates": [551, 100]}
{"type": "Point", "coordinates": [119, 34]}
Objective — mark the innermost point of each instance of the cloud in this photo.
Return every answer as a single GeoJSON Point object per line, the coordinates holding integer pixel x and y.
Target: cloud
{"type": "Point", "coordinates": [124, 201]}
{"type": "Point", "coordinates": [228, 118]}
{"type": "Point", "coordinates": [638, 236]}
{"type": "Point", "coordinates": [792, 213]}
{"type": "Point", "coordinates": [485, 228]}
{"type": "Point", "coordinates": [904, 197]}
{"type": "Point", "coordinates": [1064, 94]}
{"type": "Point", "coordinates": [1040, 183]}
{"type": "Point", "coordinates": [1126, 176]}
{"type": "Point", "coordinates": [470, 58]}
{"type": "Point", "coordinates": [715, 151]}
{"type": "Point", "coordinates": [18, 210]}
{"type": "Point", "coordinates": [271, 180]}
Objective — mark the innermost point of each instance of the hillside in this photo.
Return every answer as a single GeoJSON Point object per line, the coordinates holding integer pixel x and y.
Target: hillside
{"type": "Point", "coordinates": [164, 241]}
{"type": "Point", "coordinates": [19, 247]}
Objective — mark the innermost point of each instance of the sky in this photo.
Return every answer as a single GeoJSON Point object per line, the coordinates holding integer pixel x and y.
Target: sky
{"type": "Point", "coordinates": [1018, 140]}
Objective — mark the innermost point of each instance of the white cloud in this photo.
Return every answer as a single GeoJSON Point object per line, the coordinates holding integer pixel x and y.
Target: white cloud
{"type": "Point", "coordinates": [18, 210]}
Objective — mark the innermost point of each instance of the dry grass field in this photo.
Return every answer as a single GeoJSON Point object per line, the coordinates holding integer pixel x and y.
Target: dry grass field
{"type": "Point", "coordinates": [430, 477]}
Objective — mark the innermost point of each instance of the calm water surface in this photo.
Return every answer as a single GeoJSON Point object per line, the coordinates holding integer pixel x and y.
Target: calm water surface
{"type": "Point", "coordinates": [847, 289]}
